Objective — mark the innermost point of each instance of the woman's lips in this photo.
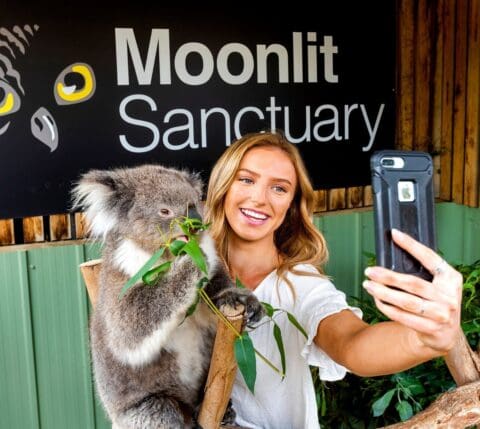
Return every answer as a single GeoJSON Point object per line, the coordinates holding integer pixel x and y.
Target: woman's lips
{"type": "Point", "coordinates": [254, 216]}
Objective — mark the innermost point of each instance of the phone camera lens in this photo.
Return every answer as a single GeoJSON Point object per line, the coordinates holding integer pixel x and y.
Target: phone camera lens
{"type": "Point", "coordinates": [388, 162]}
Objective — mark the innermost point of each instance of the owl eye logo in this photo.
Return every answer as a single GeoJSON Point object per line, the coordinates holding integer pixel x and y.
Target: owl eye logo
{"type": "Point", "coordinates": [10, 101]}
{"type": "Point", "coordinates": [75, 84]}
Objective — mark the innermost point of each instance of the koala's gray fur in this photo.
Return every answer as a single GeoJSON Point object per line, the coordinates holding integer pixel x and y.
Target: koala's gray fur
{"type": "Point", "coordinates": [149, 367]}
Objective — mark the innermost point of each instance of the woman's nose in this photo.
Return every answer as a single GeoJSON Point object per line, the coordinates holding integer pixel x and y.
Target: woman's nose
{"type": "Point", "coordinates": [259, 193]}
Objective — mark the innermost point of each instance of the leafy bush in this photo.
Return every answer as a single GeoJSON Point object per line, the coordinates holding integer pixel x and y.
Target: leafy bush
{"type": "Point", "coordinates": [371, 402]}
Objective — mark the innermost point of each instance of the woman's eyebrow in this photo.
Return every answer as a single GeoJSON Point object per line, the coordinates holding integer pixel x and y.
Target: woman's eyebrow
{"type": "Point", "coordinates": [276, 179]}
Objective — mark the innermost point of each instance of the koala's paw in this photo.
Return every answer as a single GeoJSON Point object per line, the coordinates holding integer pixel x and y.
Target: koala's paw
{"type": "Point", "coordinates": [234, 296]}
{"type": "Point", "coordinates": [230, 415]}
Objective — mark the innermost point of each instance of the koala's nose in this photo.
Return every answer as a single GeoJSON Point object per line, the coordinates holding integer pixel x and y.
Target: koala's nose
{"type": "Point", "coordinates": [193, 213]}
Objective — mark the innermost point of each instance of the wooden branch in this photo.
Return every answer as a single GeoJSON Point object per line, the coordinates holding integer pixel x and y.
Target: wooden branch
{"type": "Point", "coordinates": [463, 363]}
{"type": "Point", "coordinates": [457, 409]}
{"type": "Point", "coordinates": [223, 368]}
{"type": "Point", "coordinates": [90, 271]}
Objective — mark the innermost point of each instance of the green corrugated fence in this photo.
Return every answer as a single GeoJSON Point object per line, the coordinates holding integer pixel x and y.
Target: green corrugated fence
{"type": "Point", "coordinates": [45, 377]}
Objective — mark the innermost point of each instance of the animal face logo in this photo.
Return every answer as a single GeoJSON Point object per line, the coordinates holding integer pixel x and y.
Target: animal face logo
{"type": "Point", "coordinates": [74, 84]}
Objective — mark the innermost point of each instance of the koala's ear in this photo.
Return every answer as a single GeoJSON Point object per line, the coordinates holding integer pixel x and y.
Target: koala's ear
{"type": "Point", "coordinates": [197, 182]}
{"type": "Point", "coordinates": [97, 193]}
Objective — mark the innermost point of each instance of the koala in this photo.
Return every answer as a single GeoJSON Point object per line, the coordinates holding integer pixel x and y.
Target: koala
{"type": "Point", "coordinates": [150, 361]}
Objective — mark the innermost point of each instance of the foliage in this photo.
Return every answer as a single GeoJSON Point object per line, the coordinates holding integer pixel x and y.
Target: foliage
{"type": "Point", "coordinates": [151, 273]}
{"type": "Point", "coordinates": [370, 402]}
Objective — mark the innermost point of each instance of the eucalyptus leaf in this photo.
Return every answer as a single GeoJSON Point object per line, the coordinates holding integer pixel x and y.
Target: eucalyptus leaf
{"type": "Point", "coordinates": [245, 357]}
{"type": "Point", "coordinates": [268, 308]}
{"type": "Point", "coordinates": [192, 249]}
{"type": "Point", "coordinates": [239, 283]}
{"type": "Point", "coordinates": [277, 334]}
{"type": "Point", "coordinates": [381, 404]}
{"type": "Point", "coordinates": [176, 247]}
{"type": "Point", "coordinates": [146, 267]}
{"type": "Point", "coordinates": [297, 325]}
{"type": "Point", "coordinates": [152, 276]}
{"type": "Point", "coordinates": [193, 307]}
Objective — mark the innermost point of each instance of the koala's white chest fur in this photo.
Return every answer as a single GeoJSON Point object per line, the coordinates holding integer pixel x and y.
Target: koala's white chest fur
{"type": "Point", "coordinates": [188, 343]}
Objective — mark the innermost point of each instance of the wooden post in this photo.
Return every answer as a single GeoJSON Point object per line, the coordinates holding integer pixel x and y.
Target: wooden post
{"type": "Point", "coordinates": [90, 271]}
{"type": "Point", "coordinates": [223, 368]}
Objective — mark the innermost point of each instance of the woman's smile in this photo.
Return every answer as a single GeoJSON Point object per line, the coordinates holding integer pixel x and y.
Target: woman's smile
{"type": "Point", "coordinates": [261, 193]}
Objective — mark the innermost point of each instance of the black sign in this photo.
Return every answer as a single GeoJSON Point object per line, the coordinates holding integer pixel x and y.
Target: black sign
{"type": "Point", "coordinates": [84, 88]}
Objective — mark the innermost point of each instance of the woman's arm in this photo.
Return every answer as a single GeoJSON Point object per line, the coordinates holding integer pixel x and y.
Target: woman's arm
{"type": "Point", "coordinates": [425, 318]}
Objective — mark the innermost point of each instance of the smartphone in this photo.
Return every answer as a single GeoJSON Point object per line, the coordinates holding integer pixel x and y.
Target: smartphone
{"type": "Point", "coordinates": [403, 198]}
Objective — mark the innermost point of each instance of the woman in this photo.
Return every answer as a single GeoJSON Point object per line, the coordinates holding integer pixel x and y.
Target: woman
{"type": "Point", "coordinates": [260, 203]}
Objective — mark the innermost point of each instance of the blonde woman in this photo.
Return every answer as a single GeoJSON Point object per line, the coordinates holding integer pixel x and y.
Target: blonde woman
{"type": "Point", "coordinates": [260, 204]}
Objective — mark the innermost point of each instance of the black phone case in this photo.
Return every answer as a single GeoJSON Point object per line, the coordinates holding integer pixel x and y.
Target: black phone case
{"type": "Point", "coordinates": [416, 217]}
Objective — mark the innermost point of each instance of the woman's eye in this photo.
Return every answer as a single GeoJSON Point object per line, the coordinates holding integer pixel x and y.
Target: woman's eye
{"type": "Point", "coordinates": [9, 100]}
{"type": "Point", "coordinates": [75, 84]}
{"type": "Point", "coordinates": [279, 189]}
{"type": "Point", "coordinates": [245, 180]}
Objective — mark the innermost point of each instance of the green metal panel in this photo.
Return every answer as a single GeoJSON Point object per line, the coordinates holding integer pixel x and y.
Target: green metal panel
{"type": "Point", "coordinates": [59, 315]}
{"type": "Point", "coordinates": [349, 236]}
{"type": "Point", "coordinates": [458, 232]}
{"type": "Point", "coordinates": [45, 372]}
{"type": "Point", "coordinates": [18, 398]}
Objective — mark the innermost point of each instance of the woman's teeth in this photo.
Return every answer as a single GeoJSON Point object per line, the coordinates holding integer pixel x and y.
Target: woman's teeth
{"type": "Point", "coordinates": [254, 214]}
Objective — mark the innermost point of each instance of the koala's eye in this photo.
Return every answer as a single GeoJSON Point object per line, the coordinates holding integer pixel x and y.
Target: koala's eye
{"type": "Point", "coordinates": [165, 212]}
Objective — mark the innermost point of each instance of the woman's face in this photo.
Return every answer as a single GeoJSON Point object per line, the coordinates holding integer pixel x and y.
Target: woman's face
{"type": "Point", "coordinates": [261, 193]}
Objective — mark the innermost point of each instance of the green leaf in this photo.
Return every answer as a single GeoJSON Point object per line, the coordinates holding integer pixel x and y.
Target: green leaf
{"type": "Point", "coordinates": [297, 325]}
{"type": "Point", "coordinates": [239, 283]}
{"type": "Point", "coordinates": [192, 249]}
{"type": "Point", "coordinates": [149, 264]}
{"type": "Point", "coordinates": [268, 308]}
{"type": "Point", "coordinates": [380, 405]}
{"type": "Point", "coordinates": [404, 409]}
{"type": "Point", "coordinates": [245, 357]}
{"type": "Point", "coordinates": [278, 338]}
{"type": "Point", "coordinates": [176, 246]}
{"type": "Point", "coordinates": [193, 307]}
{"type": "Point", "coordinates": [152, 276]}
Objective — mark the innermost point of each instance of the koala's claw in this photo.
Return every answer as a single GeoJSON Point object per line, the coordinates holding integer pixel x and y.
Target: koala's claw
{"type": "Point", "coordinates": [233, 296]}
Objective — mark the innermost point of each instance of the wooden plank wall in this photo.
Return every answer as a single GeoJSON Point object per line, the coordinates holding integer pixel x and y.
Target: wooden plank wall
{"type": "Point", "coordinates": [438, 91]}
{"type": "Point", "coordinates": [438, 98]}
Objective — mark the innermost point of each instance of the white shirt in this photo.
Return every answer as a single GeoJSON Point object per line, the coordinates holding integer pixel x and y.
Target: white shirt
{"type": "Point", "coordinates": [289, 403]}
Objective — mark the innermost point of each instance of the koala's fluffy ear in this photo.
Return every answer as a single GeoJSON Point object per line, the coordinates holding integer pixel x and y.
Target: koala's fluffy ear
{"type": "Point", "coordinates": [196, 181]}
{"type": "Point", "coordinates": [98, 193]}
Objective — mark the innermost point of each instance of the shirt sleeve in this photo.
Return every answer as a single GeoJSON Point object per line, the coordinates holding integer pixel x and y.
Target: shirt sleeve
{"type": "Point", "coordinates": [322, 300]}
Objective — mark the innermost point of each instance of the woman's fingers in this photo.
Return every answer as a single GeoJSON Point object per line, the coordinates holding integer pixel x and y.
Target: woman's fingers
{"type": "Point", "coordinates": [408, 302]}
{"type": "Point", "coordinates": [432, 309]}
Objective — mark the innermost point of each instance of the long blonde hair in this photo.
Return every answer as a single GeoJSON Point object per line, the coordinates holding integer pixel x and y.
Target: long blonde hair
{"type": "Point", "coordinates": [297, 239]}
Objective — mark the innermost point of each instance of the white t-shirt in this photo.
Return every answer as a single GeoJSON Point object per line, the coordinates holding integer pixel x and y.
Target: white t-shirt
{"type": "Point", "coordinates": [289, 403]}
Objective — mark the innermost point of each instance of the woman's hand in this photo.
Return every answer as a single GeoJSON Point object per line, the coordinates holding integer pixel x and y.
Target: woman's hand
{"type": "Point", "coordinates": [431, 309]}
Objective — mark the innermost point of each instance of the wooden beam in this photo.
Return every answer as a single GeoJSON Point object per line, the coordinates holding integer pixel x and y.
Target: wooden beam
{"type": "Point", "coordinates": [60, 227]}
{"type": "Point", "coordinates": [447, 32]}
{"type": "Point", "coordinates": [7, 235]}
{"type": "Point", "coordinates": [336, 199]}
{"type": "Point", "coordinates": [33, 230]}
{"type": "Point", "coordinates": [320, 201]}
{"type": "Point", "coordinates": [423, 75]}
{"type": "Point", "coordinates": [405, 84]}
{"type": "Point", "coordinates": [471, 182]}
{"type": "Point", "coordinates": [355, 197]}
{"type": "Point", "coordinates": [459, 100]}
